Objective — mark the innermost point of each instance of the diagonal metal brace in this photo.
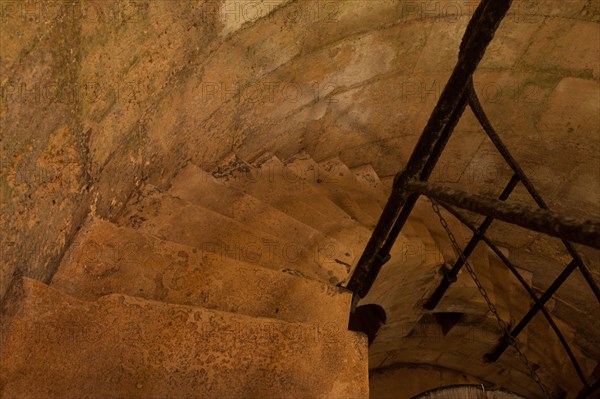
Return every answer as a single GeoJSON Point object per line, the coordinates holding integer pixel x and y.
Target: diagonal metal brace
{"type": "Point", "coordinates": [477, 237]}
{"type": "Point", "coordinates": [504, 341]}
{"type": "Point", "coordinates": [447, 274]}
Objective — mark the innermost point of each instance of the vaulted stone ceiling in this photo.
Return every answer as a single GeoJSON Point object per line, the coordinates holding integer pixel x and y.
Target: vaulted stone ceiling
{"type": "Point", "coordinates": [100, 96]}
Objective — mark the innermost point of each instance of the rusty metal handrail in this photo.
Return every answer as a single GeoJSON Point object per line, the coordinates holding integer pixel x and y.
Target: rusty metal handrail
{"type": "Point", "coordinates": [586, 232]}
{"type": "Point", "coordinates": [412, 182]}
{"type": "Point", "coordinates": [452, 102]}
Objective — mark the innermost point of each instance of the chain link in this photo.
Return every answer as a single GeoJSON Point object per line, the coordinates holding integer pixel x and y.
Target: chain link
{"type": "Point", "coordinates": [501, 323]}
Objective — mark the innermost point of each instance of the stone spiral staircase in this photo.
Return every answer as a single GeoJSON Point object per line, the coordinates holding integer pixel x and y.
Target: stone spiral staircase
{"type": "Point", "coordinates": [228, 285]}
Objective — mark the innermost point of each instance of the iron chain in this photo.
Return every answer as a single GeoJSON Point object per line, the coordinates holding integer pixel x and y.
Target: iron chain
{"type": "Point", "coordinates": [501, 323]}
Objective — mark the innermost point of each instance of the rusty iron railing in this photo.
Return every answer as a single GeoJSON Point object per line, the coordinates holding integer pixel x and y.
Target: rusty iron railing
{"type": "Point", "coordinates": [412, 182]}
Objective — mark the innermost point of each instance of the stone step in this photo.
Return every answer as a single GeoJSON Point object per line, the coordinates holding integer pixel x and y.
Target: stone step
{"type": "Point", "coordinates": [342, 175]}
{"type": "Point", "coordinates": [368, 177]}
{"type": "Point", "coordinates": [174, 219]}
{"type": "Point", "coordinates": [200, 188]}
{"type": "Point", "coordinates": [336, 173]}
{"type": "Point", "coordinates": [56, 346]}
{"type": "Point", "coordinates": [271, 179]}
{"type": "Point", "coordinates": [387, 182]}
{"type": "Point", "coordinates": [345, 230]}
{"type": "Point", "coordinates": [106, 259]}
{"type": "Point", "coordinates": [334, 185]}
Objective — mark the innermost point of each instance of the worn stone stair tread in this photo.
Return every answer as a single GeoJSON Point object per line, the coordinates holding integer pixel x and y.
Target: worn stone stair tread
{"type": "Point", "coordinates": [365, 197]}
{"type": "Point", "coordinates": [331, 173]}
{"type": "Point", "coordinates": [177, 220]}
{"type": "Point", "coordinates": [308, 170]}
{"type": "Point", "coordinates": [106, 259]}
{"type": "Point", "coordinates": [417, 233]}
{"type": "Point", "coordinates": [56, 346]}
{"type": "Point", "coordinates": [367, 176]}
{"type": "Point", "coordinates": [331, 186]}
{"type": "Point", "coordinates": [200, 188]}
{"type": "Point", "coordinates": [347, 231]}
{"type": "Point", "coordinates": [387, 182]}
{"type": "Point", "coordinates": [272, 178]}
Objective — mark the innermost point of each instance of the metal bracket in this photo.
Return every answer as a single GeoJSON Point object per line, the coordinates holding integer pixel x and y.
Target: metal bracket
{"type": "Point", "coordinates": [382, 260]}
{"type": "Point", "coordinates": [446, 272]}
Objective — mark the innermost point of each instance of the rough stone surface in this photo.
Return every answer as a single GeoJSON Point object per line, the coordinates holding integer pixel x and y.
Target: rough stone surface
{"type": "Point", "coordinates": [331, 181]}
{"type": "Point", "coordinates": [176, 220]}
{"type": "Point", "coordinates": [106, 259]}
{"type": "Point", "coordinates": [281, 192]}
{"type": "Point", "coordinates": [55, 346]}
{"type": "Point", "coordinates": [97, 101]}
{"type": "Point", "coordinates": [272, 177]}
{"type": "Point", "coordinates": [199, 187]}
